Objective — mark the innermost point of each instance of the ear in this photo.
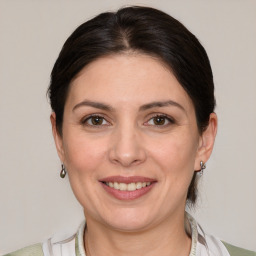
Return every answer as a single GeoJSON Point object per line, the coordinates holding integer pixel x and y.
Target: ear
{"type": "Point", "coordinates": [57, 137]}
{"type": "Point", "coordinates": [206, 142]}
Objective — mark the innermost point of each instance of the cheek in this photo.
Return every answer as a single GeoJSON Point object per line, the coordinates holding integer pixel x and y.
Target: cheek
{"type": "Point", "coordinates": [82, 154]}
{"type": "Point", "coordinates": [84, 158]}
{"type": "Point", "coordinates": [176, 155]}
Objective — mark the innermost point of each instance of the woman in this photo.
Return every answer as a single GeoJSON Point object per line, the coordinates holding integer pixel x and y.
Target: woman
{"type": "Point", "coordinates": [133, 120]}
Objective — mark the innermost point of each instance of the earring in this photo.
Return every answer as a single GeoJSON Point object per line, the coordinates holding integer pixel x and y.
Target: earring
{"type": "Point", "coordinates": [63, 171]}
{"type": "Point", "coordinates": [203, 166]}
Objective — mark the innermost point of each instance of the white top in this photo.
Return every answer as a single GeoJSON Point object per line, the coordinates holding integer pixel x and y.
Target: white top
{"type": "Point", "coordinates": [202, 244]}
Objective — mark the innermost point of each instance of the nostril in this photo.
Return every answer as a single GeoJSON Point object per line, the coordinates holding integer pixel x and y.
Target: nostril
{"type": "Point", "coordinates": [127, 160]}
{"type": "Point", "coordinates": [126, 148]}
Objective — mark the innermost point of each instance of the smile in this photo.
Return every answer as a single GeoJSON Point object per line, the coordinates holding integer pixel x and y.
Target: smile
{"type": "Point", "coordinates": [128, 187]}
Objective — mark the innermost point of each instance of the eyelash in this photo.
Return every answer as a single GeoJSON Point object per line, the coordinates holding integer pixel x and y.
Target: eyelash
{"type": "Point", "coordinates": [165, 117]}
{"type": "Point", "coordinates": [85, 120]}
{"type": "Point", "coordinates": [170, 120]}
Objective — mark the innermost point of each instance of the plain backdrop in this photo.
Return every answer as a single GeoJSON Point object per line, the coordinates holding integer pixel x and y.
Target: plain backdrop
{"type": "Point", "coordinates": [34, 202]}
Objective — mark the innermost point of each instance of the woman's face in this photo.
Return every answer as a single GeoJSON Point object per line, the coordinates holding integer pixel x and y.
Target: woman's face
{"type": "Point", "coordinates": [130, 142]}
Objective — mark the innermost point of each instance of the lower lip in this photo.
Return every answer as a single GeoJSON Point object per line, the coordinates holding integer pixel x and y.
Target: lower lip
{"type": "Point", "coordinates": [128, 195]}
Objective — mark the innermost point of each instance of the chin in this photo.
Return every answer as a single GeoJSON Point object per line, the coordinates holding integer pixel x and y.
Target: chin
{"type": "Point", "coordinates": [128, 220]}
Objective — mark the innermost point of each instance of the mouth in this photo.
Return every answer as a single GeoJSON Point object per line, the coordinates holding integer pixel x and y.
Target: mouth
{"type": "Point", "coordinates": [127, 188]}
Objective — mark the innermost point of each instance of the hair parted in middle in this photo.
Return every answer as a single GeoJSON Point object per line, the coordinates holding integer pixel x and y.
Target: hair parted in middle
{"type": "Point", "coordinates": [141, 30]}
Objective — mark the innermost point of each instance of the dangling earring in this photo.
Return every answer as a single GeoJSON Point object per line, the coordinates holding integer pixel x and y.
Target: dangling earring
{"type": "Point", "coordinates": [63, 171]}
{"type": "Point", "coordinates": [203, 166]}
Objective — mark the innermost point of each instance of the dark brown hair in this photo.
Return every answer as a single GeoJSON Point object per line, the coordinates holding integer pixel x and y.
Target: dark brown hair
{"type": "Point", "coordinates": [143, 30]}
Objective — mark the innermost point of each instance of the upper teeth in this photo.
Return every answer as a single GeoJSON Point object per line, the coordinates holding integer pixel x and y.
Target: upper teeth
{"type": "Point", "coordinates": [128, 187]}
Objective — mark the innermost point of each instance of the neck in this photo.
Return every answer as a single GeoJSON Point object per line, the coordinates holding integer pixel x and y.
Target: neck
{"type": "Point", "coordinates": [101, 240]}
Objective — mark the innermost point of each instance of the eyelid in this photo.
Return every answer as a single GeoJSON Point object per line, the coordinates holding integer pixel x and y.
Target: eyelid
{"type": "Point", "coordinates": [169, 118]}
{"type": "Point", "coordinates": [86, 118]}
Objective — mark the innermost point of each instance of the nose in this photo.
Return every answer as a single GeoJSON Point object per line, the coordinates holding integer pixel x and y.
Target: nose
{"type": "Point", "coordinates": [127, 147]}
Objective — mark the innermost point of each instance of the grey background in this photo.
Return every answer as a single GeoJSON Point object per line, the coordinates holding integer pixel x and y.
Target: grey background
{"type": "Point", "coordinates": [35, 202]}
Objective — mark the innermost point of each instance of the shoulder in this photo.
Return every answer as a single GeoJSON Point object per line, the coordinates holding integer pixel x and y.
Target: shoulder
{"type": "Point", "coordinates": [216, 246]}
{"type": "Point", "coordinates": [58, 245]}
{"type": "Point", "coordinates": [33, 250]}
{"type": "Point", "coordinates": [236, 251]}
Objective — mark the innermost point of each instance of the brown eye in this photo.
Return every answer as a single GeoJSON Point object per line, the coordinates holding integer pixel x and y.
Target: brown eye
{"type": "Point", "coordinates": [95, 121]}
{"type": "Point", "coordinates": [159, 120]}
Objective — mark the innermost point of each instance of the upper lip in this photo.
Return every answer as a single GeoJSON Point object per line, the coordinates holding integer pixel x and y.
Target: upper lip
{"type": "Point", "coordinates": [127, 180]}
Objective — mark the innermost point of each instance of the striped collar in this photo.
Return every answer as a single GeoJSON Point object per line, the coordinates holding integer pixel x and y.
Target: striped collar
{"type": "Point", "coordinates": [201, 245]}
{"type": "Point", "coordinates": [191, 229]}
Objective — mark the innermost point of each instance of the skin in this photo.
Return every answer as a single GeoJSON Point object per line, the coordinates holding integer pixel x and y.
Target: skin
{"type": "Point", "coordinates": [128, 141]}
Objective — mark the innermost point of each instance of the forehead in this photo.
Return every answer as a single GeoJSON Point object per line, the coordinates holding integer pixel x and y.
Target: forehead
{"type": "Point", "coordinates": [127, 78]}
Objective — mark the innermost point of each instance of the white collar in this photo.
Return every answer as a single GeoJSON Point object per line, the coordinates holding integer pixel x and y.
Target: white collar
{"type": "Point", "coordinates": [201, 245]}
{"type": "Point", "coordinates": [192, 230]}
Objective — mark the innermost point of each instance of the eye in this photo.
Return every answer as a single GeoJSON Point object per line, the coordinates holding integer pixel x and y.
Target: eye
{"type": "Point", "coordinates": [95, 120]}
{"type": "Point", "coordinates": [160, 120]}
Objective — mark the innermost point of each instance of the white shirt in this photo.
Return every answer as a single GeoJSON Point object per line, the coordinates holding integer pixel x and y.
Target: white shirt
{"type": "Point", "coordinates": [202, 244]}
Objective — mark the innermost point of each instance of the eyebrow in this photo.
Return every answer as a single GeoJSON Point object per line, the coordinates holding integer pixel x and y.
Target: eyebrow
{"type": "Point", "coordinates": [161, 104]}
{"type": "Point", "coordinates": [93, 104]}
{"type": "Point", "coordinates": [107, 107]}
